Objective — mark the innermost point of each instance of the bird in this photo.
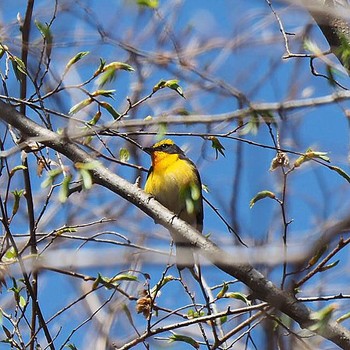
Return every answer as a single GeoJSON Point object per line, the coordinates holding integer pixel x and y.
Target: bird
{"type": "Point", "coordinates": [174, 181]}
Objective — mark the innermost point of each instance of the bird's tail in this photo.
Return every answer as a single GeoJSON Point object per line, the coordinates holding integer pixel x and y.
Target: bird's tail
{"type": "Point", "coordinates": [184, 255]}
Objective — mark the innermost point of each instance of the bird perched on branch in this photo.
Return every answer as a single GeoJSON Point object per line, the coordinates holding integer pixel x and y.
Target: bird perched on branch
{"type": "Point", "coordinates": [174, 181]}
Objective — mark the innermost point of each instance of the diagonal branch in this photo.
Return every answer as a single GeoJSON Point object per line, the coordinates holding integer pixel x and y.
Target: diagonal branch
{"type": "Point", "coordinates": [262, 288]}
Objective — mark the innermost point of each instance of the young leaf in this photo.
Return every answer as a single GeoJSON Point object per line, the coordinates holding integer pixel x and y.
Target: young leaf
{"type": "Point", "coordinates": [64, 191]}
{"type": "Point", "coordinates": [252, 126]}
{"type": "Point", "coordinates": [341, 172]}
{"type": "Point", "coordinates": [22, 302]}
{"type": "Point", "coordinates": [16, 168]}
{"type": "Point", "coordinates": [110, 70]}
{"type": "Point", "coordinates": [343, 318]}
{"type": "Point", "coordinates": [10, 254]}
{"type": "Point", "coordinates": [100, 68]}
{"type": "Point", "coordinates": [17, 194]}
{"type": "Point", "coordinates": [124, 155]}
{"type": "Point", "coordinates": [86, 178]}
{"type": "Point", "coordinates": [51, 176]}
{"type": "Point", "coordinates": [3, 50]}
{"type": "Point", "coordinates": [47, 35]}
{"type": "Point", "coordinates": [183, 338]}
{"type": "Point", "coordinates": [162, 283]}
{"type": "Point", "coordinates": [171, 84]}
{"type": "Point", "coordinates": [123, 277]}
{"type": "Point", "coordinates": [223, 290]}
{"type": "Point", "coordinates": [75, 59]}
{"type": "Point", "coordinates": [239, 296]}
{"type": "Point", "coordinates": [216, 144]}
{"type": "Point", "coordinates": [153, 4]}
{"type": "Point", "coordinates": [87, 166]}
{"type": "Point", "coordinates": [311, 154]}
{"type": "Point", "coordinates": [317, 256]}
{"type": "Point", "coordinates": [95, 118]}
{"type": "Point", "coordinates": [66, 229]}
{"type": "Point", "coordinates": [106, 93]}
{"type": "Point", "coordinates": [18, 67]}
{"type": "Point", "coordinates": [79, 106]}
{"type": "Point", "coordinates": [71, 346]}
{"type": "Point", "coordinates": [322, 317]}
{"type": "Point", "coordinates": [261, 195]}
{"type": "Point", "coordinates": [329, 266]}
{"type": "Point", "coordinates": [110, 109]}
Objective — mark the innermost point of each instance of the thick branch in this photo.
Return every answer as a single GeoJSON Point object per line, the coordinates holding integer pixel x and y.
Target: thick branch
{"type": "Point", "coordinates": [261, 287]}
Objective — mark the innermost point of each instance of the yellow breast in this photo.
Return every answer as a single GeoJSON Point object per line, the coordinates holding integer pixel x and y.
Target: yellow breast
{"type": "Point", "coordinates": [169, 182]}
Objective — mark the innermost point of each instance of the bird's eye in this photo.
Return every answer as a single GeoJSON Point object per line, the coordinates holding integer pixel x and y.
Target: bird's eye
{"type": "Point", "coordinates": [165, 146]}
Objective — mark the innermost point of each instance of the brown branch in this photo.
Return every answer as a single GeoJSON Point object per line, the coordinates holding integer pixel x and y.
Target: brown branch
{"type": "Point", "coordinates": [263, 288]}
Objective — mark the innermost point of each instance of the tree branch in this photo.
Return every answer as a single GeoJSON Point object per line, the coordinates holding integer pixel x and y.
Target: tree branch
{"type": "Point", "coordinates": [262, 288]}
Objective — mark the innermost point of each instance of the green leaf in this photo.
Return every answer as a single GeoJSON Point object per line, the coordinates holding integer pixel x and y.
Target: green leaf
{"type": "Point", "coordinates": [64, 190]}
{"type": "Point", "coordinates": [311, 154]}
{"type": "Point", "coordinates": [17, 194]}
{"type": "Point", "coordinates": [10, 254]}
{"type": "Point", "coordinates": [79, 106]}
{"type": "Point", "coordinates": [95, 118]}
{"type": "Point", "coordinates": [322, 317]}
{"type": "Point", "coordinates": [123, 277]}
{"type": "Point", "coordinates": [110, 70]}
{"type": "Point", "coordinates": [216, 144]}
{"type": "Point", "coordinates": [45, 31]}
{"type": "Point", "coordinates": [318, 255]}
{"type": "Point", "coordinates": [22, 302]}
{"type": "Point", "coordinates": [162, 283]}
{"type": "Point", "coordinates": [252, 126]}
{"type": "Point", "coordinates": [153, 4]}
{"type": "Point", "coordinates": [71, 346]}
{"type": "Point", "coordinates": [261, 195]}
{"type": "Point", "coordinates": [65, 229]}
{"type": "Point", "coordinates": [238, 296]}
{"type": "Point", "coordinates": [191, 314]}
{"type": "Point", "coordinates": [124, 155]}
{"type": "Point", "coordinates": [312, 47]}
{"type": "Point", "coordinates": [51, 176]}
{"type": "Point", "coordinates": [16, 168]}
{"type": "Point", "coordinates": [106, 93]}
{"type": "Point", "coordinates": [3, 50]}
{"type": "Point", "coordinates": [86, 178]}
{"type": "Point", "coordinates": [341, 172]}
{"type": "Point", "coordinates": [109, 282]}
{"type": "Point", "coordinates": [171, 84]}
{"type": "Point", "coordinates": [75, 59]}
{"type": "Point", "coordinates": [223, 319]}
{"type": "Point", "coordinates": [183, 338]}
{"type": "Point", "coordinates": [223, 290]}
{"type": "Point", "coordinates": [343, 318]}
{"type": "Point", "coordinates": [87, 166]}
{"type": "Point", "coordinates": [19, 67]}
{"type": "Point", "coordinates": [110, 109]}
{"type": "Point", "coordinates": [100, 68]}
{"type": "Point", "coordinates": [329, 266]}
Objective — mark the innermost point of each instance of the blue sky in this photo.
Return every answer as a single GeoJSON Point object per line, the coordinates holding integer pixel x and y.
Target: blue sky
{"type": "Point", "coordinates": [248, 57]}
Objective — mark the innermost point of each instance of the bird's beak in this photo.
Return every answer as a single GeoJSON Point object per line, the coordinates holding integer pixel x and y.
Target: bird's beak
{"type": "Point", "coordinates": [148, 150]}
